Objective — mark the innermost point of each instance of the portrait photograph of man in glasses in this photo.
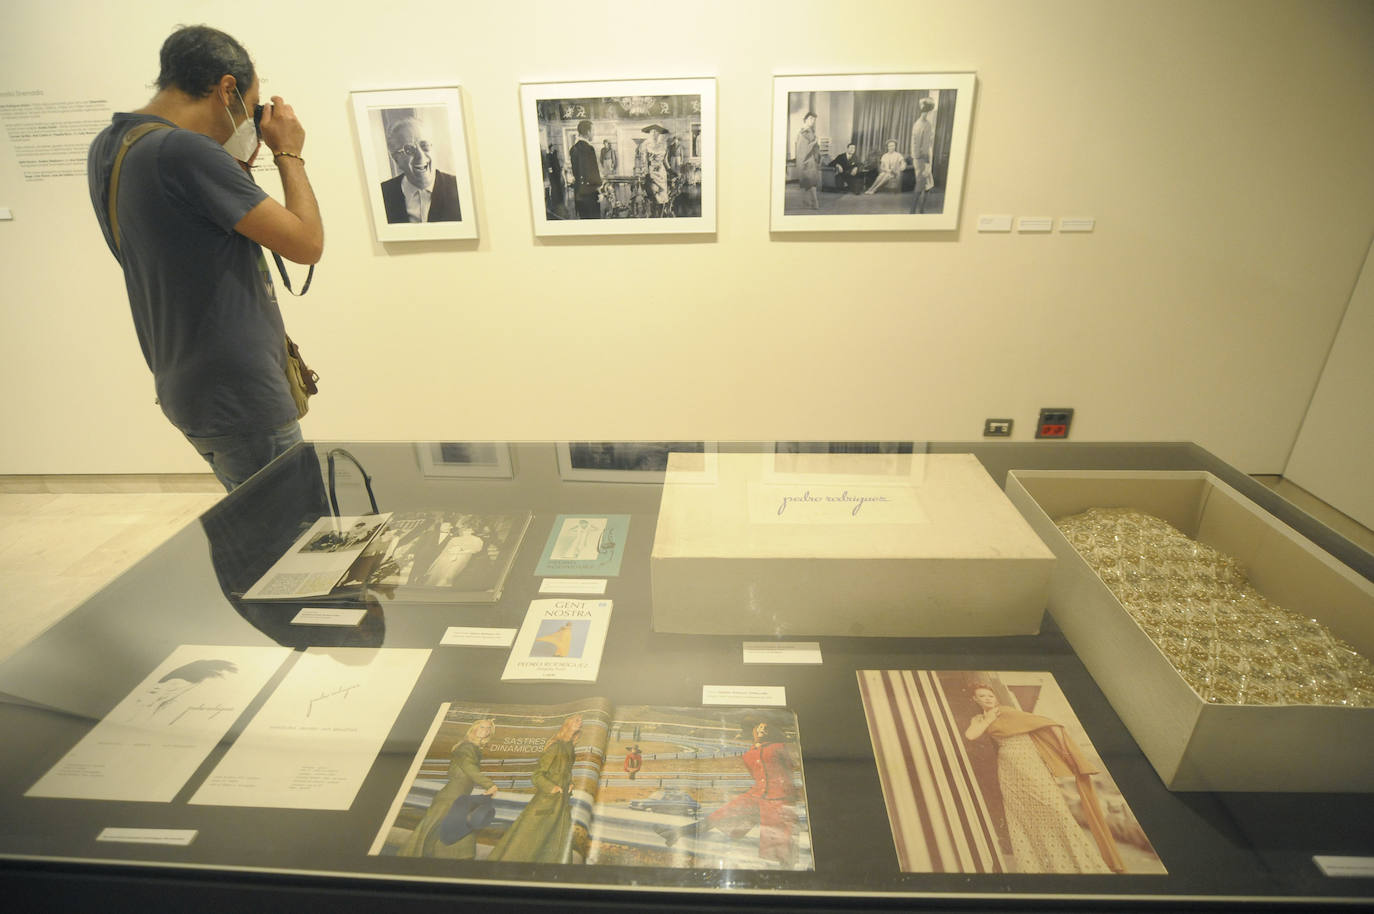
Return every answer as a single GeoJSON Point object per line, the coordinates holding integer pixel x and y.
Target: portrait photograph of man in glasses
{"type": "Point", "coordinates": [416, 174]}
{"type": "Point", "coordinates": [419, 189]}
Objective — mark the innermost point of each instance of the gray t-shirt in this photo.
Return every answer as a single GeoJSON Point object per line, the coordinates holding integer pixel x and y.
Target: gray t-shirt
{"type": "Point", "coordinates": [202, 303]}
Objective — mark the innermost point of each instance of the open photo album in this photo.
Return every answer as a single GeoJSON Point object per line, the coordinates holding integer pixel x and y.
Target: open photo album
{"type": "Point", "coordinates": [434, 556]}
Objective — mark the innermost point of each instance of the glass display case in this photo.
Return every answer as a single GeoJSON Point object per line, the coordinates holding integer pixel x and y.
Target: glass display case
{"type": "Point", "coordinates": [374, 742]}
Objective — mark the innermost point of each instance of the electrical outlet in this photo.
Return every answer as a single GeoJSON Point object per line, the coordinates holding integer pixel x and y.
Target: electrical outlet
{"type": "Point", "coordinates": [996, 428]}
{"type": "Point", "coordinates": [1054, 422]}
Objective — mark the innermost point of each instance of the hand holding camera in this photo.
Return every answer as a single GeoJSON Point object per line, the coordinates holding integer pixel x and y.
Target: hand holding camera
{"type": "Point", "coordinates": [280, 129]}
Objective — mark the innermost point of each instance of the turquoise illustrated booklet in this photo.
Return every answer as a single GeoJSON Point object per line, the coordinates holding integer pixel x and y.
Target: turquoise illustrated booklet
{"type": "Point", "coordinates": [585, 545]}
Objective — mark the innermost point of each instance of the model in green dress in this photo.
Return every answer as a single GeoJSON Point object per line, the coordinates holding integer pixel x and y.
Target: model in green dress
{"type": "Point", "coordinates": [464, 773]}
{"type": "Point", "coordinates": [542, 833]}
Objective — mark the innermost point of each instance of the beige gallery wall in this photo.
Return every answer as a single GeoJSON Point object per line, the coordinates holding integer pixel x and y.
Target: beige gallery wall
{"type": "Point", "coordinates": [1223, 147]}
{"type": "Point", "coordinates": [1335, 447]}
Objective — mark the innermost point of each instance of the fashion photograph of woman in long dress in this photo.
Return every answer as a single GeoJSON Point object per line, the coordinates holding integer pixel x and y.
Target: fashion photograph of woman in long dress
{"type": "Point", "coordinates": [1031, 751]}
{"type": "Point", "coordinates": [992, 772]}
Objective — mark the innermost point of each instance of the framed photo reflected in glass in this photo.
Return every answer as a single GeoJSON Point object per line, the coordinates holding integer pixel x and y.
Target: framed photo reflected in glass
{"type": "Point", "coordinates": [635, 461]}
{"type": "Point", "coordinates": [489, 459]}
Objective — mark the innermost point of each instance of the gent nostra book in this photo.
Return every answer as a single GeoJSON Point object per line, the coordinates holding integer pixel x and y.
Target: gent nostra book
{"type": "Point", "coordinates": [561, 640]}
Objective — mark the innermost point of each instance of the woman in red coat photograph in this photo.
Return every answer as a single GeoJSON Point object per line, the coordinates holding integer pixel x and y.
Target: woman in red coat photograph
{"type": "Point", "coordinates": [769, 803]}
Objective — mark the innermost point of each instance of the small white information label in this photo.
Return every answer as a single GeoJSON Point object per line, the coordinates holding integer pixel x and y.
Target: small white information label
{"type": "Point", "coordinates": [1077, 224]}
{"type": "Point", "coordinates": [479, 637]}
{"type": "Point", "coordinates": [1035, 224]}
{"type": "Point", "coordinates": [174, 837]}
{"type": "Point", "coordinates": [746, 696]}
{"type": "Point", "coordinates": [1362, 867]}
{"type": "Point", "coordinates": [994, 223]}
{"type": "Point", "coordinates": [321, 615]}
{"type": "Point", "coordinates": [782, 652]}
{"type": "Point", "coordinates": [6, 214]}
{"type": "Point", "coordinates": [573, 585]}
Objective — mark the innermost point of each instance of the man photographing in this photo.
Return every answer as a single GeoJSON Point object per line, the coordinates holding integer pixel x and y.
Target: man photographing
{"type": "Point", "coordinates": [190, 223]}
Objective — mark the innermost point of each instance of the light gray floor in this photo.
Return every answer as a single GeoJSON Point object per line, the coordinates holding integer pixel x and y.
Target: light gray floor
{"type": "Point", "coordinates": [64, 538]}
{"type": "Point", "coordinates": [59, 547]}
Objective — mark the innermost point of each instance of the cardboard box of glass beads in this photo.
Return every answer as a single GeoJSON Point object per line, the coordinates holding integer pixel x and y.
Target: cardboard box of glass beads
{"type": "Point", "coordinates": [1235, 650]}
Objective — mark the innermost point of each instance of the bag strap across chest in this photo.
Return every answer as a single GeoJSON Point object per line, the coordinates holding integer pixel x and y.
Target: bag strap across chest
{"type": "Point", "coordinates": [133, 136]}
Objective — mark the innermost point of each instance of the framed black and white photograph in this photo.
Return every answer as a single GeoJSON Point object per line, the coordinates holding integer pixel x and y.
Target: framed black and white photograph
{"type": "Point", "coordinates": [415, 163]}
{"type": "Point", "coordinates": [486, 459]}
{"type": "Point", "coordinates": [882, 152]}
{"type": "Point", "coordinates": [634, 461]}
{"type": "Point", "coordinates": [621, 158]}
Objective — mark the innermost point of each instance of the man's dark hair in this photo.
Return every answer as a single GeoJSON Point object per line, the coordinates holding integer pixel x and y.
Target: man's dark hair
{"type": "Point", "coordinates": [584, 128]}
{"type": "Point", "coordinates": [194, 57]}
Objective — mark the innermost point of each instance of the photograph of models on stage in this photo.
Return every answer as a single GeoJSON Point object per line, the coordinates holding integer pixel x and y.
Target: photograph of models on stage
{"type": "Point", "coordinates": [869, 151]}
{"type": "Point", "coordinates": [872, 152]}
{"type": "Point", "coordinates": [629, 157]}
{"type": "Point", "coordinates": [621, 157]}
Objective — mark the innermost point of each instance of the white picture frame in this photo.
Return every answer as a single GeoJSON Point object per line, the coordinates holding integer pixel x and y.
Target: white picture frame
{"type": "Point", "coordinates": [870, 111]}
{"type": "Point", "coordinates": [452, 209]}
{"type": "Point", "coordinates": [638, 197]}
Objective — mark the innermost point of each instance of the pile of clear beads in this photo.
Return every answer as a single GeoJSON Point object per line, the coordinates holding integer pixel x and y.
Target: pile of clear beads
{"type": "Point", "coordinates": [1230, 643]}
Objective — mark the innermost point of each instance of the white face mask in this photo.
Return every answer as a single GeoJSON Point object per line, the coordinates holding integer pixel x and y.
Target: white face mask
{"type": "Point", "coordinates": [243, 143]}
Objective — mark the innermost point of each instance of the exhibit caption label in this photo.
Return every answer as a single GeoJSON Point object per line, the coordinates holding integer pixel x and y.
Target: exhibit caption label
{"type": "Point", "coordinates": [478, 637]}
{"type": "Point", "coordinates": [319, 615]}
{"type": "Point", "coordinates": [782, 652]}
{"type": "Point", "coordinates": [1331, 865]}
{"type": "Point", "coordinates": [747, 696]}
{"type": "Point", "coordinates": [172, 837]}
{"type": "Point", "coordinates": [596, 586]}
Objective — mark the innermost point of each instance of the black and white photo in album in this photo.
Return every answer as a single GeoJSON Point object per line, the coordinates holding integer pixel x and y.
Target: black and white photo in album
{"type": "Point", "coordinates": [630, 157]}
{"type": "Point", "coordinates": [441, 556]}
{"type": "Point", "coordinates": [876, 152]}
{"type": "Point", "coordinates": [415, 161]}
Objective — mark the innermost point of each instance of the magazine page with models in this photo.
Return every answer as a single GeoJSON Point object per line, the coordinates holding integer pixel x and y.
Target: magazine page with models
{"type": "Point", "coordinates": [991, 772]}
{"type": "Point", "coordinates": [703, 787]}
{"type": "Point", "coordinates": [501, 782]}
{"type": "Point", "coordinates": [584, 783]}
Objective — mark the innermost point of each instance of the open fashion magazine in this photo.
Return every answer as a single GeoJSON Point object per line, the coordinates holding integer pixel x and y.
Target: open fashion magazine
{"type": "Point", "coordinates": [585, 782]}
{"type": "Point", "coordinates": [423, 556]}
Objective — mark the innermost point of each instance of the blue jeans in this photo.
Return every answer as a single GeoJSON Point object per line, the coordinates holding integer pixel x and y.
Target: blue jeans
{"type": "Point", "coordinates": [236, 457]}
